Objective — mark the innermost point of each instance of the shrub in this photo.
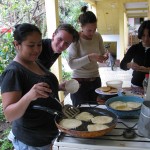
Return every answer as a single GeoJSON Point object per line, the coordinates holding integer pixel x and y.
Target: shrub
{"type": "Point", "coordinates": [7, 51]}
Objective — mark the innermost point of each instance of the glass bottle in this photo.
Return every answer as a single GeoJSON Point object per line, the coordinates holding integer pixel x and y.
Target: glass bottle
{"type": "Point", "coordinates": [145, 84]}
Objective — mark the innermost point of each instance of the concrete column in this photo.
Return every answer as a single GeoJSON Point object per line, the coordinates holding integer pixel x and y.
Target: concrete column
{"type": "Point", "coordinates": [126, 32]}
{"type": "Point", "coordinates": [120, 52]}
{"type": "Point", "coordinates": [148, 9]}
{"type": "Point", "coordinates": [52, 17]}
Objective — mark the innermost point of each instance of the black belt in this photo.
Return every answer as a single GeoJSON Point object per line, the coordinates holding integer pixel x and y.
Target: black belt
{"type": "Point", "coordinates": [85, 79]}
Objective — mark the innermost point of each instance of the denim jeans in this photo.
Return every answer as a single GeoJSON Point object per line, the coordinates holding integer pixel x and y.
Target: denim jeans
{"type": "Point", "coordinates": [18, 145]}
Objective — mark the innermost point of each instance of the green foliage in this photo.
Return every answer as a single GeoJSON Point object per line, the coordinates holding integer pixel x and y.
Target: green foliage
{"type": "Point", "coordinates": [5, 144]}
{"type": "Point", "coordinates": [7, 51]}
{"type": "Point", "coordinates": [66, 75]}
{"type": "Point", "coordinates": [70, 11]}
{"type": "Point", "coordinates": [2, 117]}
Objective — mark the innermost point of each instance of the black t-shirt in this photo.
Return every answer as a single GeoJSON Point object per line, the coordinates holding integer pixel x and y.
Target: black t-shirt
{"type": "Point", "coordinates": [139, 55]}
{"type": "Point", "coordinates": [47, 56]}
{"type": "Point", "coordinates": [35, 127]}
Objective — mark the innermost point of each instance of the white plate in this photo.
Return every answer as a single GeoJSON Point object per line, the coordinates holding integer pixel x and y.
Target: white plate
{"type": "Point", "coordinates": [72, 86]}
{"type": "Point", "coordinates": [98, 91]}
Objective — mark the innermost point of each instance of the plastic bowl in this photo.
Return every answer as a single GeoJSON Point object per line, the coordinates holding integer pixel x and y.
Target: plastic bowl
{"type": "Point", "coordinates": [115, 83]}
{"type": "Point", "coordinates": [121, 113]}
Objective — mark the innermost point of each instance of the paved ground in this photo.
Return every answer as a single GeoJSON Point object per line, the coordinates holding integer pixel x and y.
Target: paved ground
{"type": "Point", "coordinates": [107, 74]}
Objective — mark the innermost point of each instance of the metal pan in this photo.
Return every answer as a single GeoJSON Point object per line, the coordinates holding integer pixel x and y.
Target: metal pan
{"type": "Point", "coordinates": [82, 131]}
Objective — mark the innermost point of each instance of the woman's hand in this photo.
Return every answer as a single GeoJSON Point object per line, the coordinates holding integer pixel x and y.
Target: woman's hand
{"type": "Point", "coordinates": [96, 57]}
{"type": "Point", "coordinates": [106, 55]}
{"type": "Point", "coordinates": [136, 67]}
{"type": "Point", "coordinates": [144, 69]}
{"type": "Point", "coordinates": [62, 86]}
{"type": "Point", "coordinates": [133, 66]}
{"type": "Point", "coordinates": [39, 90]}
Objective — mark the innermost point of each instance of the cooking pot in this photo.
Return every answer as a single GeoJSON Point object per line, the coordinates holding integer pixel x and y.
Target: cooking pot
{"type": "Point", "coordinates": [135, 113]}
{"type": "Point", "coordinates": [144, 120]}
{"type": "Point", "coordinates": [82, 131]}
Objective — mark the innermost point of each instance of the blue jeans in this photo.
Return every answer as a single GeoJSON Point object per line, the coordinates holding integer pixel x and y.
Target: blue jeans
{"type": "Point", "coordinates": [18, 145]}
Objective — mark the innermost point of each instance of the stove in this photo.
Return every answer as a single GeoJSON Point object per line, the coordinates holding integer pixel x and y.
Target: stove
{"type": "Point", "coordinates": [124, 136]}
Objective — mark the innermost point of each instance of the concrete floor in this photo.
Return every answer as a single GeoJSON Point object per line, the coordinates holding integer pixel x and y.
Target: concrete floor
{"type": "Point", "coordinates": [107, 74]}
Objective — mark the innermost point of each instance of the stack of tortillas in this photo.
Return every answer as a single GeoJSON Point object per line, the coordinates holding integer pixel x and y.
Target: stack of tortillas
{"type": "Point", "coordinates": [107, 89]}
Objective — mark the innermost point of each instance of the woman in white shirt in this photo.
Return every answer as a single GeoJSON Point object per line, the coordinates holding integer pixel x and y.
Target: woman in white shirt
{"type": "Point", "coordinates": [84, 57]}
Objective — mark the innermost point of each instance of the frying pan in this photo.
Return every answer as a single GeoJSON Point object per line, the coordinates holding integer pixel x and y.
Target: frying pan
{"type": "Point", "coordinates": [82, 131]}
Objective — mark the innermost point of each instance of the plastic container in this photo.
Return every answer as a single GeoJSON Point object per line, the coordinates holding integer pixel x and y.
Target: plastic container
{"type": "Point", "coordinates": [144, 120]}
{"type": "Point", "coordinates": [145, 84]}
{"type": "Point", "coordinates": [115, 84]}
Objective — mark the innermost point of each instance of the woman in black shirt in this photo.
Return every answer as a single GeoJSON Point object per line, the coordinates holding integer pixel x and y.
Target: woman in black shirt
{"type": "Point", "coordinates": [138, 56]}
{"type": "Point", "coordinates": [25, 83]}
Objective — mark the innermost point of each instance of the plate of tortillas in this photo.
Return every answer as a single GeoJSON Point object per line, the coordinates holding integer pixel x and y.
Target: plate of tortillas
{"type": "Point", "coordinates": [107, 90]}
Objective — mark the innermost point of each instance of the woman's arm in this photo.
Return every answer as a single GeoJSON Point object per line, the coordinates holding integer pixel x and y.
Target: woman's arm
{"type": "Point", "coordinates": [14, 105]}
{"type": "Point", "coordinates": [126, 61]}
{"type": "Point", "coordinates": [144, 69]}
{"type": "Point", "coordinates": [75, 61]}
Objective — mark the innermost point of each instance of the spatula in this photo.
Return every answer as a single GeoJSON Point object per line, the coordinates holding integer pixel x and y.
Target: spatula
{"type": "Point", "coordinates": [68, 111]}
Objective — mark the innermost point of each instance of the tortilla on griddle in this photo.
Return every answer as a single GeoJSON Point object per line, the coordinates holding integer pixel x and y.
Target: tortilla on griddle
{"type": "Point", "coordinates": [70, 123]}
{"type": "Point", "coordinates": [96, 127]}
{"type": "Point", "coordinates": [102, 119]}
{"type": "Point", "coordinates": [84, 116]}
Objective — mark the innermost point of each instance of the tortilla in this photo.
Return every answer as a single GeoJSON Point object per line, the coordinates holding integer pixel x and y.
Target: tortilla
{"type": "Point", "coordinates": [96, 127]}
{"type": "Point", "coordinates": [70, 123]}
{"type": "Point", "coordinates": [113, 90]}
{"type": "Point", "coordinates": [134, 105]}
{"type": "Point", "coordinates": [84, 116]}
{"type": "Point", "coordinates": [117, 104]}
{"type": "Point", "coordinates": [102, 119]}
{"type": "Point", "coordinates": [123, 108]}
{"type": "Point", "coordinates": [105, 88]}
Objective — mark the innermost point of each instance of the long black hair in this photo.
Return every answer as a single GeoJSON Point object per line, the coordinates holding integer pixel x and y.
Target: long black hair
{"type": "Point", "coordinates": [143, 26]}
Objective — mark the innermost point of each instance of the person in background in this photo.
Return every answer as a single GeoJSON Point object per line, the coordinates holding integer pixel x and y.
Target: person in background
{"type": "Point", "coordinates": [138, 56]}
{"type": "Point", "coordinates": [25, 83]}
{"type": "Point", "coordinates": [63, 36]}
{"type": "Point", "coordinates": [84, 57]}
